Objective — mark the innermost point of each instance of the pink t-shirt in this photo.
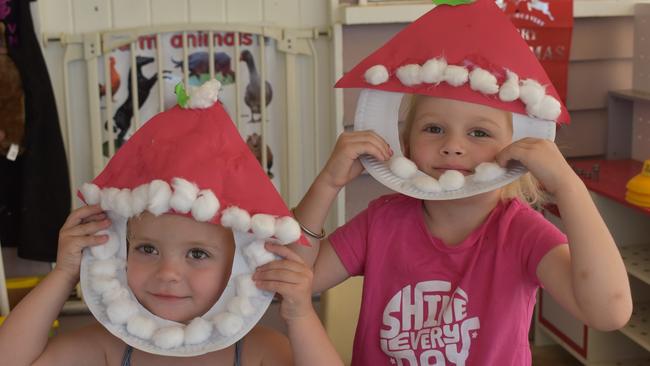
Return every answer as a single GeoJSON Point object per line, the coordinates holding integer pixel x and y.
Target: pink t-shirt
{"type": "Point", "coordinates": [425, 303]}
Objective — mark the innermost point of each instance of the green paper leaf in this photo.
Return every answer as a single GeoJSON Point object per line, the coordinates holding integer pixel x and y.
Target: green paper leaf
{"type": "Point", "coordinates": [452, 2]}
{"type": "Point", "coordinates": [181, 95]}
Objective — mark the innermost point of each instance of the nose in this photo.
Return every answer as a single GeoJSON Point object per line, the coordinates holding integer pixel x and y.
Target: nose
{"type": "Point", "coordinates": [169, 270]}
{"type": "Point", "coordinates": [452, 146]}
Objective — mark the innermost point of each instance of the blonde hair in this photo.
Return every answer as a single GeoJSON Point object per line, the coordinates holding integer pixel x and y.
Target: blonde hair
{"type": "Point", "coordinates": [526, 188]}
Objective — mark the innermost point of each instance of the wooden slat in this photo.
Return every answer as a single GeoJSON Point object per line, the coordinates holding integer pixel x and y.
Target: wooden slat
{"type": "Point", "coordinates": [244, 11]}
{"type": "Point", "coordinates": [129, 14]}
{"type": "Point", "coordinates": [201, 11]}
{"type": "Point", "coordinates": [169, 11]}
{"type": "Point", "coordinates": [91, 16]}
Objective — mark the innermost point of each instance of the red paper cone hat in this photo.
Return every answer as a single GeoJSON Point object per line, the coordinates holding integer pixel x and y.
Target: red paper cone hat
{"type": "Point", "coordinates": [193, 161]}
{"type": "Point", "coordinates": [468, 52]}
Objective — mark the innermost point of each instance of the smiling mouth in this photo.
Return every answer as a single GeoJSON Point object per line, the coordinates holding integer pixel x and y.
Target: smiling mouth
{"type": "Point", "coordinates": [167, 297]}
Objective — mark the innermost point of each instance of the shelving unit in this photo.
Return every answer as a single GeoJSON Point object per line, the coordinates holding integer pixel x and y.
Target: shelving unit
{"type": "Point", "coordinates": [628, 144]}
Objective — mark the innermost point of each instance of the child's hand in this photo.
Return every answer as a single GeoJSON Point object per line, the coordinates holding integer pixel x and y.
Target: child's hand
{"type": "Point", "coordinates": [78, 232]}
{"type": "Point", "coordinates": [290, 278]}
{"type": "Point", "coordinates": [544, 160]}
{"type": "Point", "coordinates": [344, 165]}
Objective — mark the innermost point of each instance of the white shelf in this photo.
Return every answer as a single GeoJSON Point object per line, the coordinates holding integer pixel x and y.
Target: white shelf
{"type": "Point", "coordinates": [638, 328]}
{"type": "Point", "coordinates": [400, 12]}
{"type": "Point", "coordinates": [637, 261]}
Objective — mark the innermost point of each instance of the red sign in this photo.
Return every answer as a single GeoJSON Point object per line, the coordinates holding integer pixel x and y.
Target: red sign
{"type": "Point", "coordinates": [546, 26]}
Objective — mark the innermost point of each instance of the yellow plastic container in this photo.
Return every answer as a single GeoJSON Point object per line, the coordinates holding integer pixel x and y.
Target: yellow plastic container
{"type": "Point", "coordinates": [18, 287]}
{"type": "Point", "coordinates": [638, 188]}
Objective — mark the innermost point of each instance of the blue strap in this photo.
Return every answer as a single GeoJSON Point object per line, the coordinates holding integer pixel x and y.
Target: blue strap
{"type": "Point", "coordinates": [238, 353]}
{"type": "Point", "coordinates": [126, 358]}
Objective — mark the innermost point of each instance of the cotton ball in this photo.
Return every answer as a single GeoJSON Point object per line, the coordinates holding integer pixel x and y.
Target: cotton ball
{"type": "Point", "coordinates": [241, 305]}
{"type": "Point", "coordinates": [115, 294]}
{"type": "Point", "coordinates": [205, 206]}
{"type": "Point", "coordinates": [257, 254]}
{"type": "Point", "coordinates": [426, 183]}
{"type": "Point", "coordinates": [108, 197]}
{"type": "Point", "coordinates": [91, 193]}
{"type": "Point", "coordinates": [101, 284]}
{"type": "Point", "coordinates": [122, 203]}
{"type": "Point", "coordinates": [456, 75]}
{"type": "Point", "coordinates": [205, 95]}
{"type": "Point", "coordinates": [488, 171]}
{"type": "Point", "coordinates": [184, 195]}
{"type": "Point", "coordinates": [159, 195]}
{"type": "Point", "coordinates": [139, 199]}
{"type": "Point", "coordinates": [483, 81]}
{"type": "Point", "coordinates": [509, 91]}
{"type": "Point", "coordinates": [245, 286]}
{"type": "Point", "coordinates": [548, 108]}
{"type": "Point", "coordinates": [287, 229]}
{"type": "Point", "coordinates": [236, 218]}
{"type": "Point", "coordinates": [451, 180]}
{"type": "Point", "coordinates": [108, 249]}
{"type": "Point", "coordinates": [228, 324]}
{"type": "Point", "coordinates": [121, 310]}
{"type": "Point", "coordinates": [433, 71]}
{"type": "Point", "coordinates": [376, 75]}
{"type": "Point", "coordinates": [531, 92]}
{"type": "Point", "coordinates": [198, 331]}
{"type": "Point", "coordinates": [409, 75]}
{"type": "Point", "coordinates": [402, 167]}
{"type": "Point", "coordinates": [105, 267]}
{"type": "Point", "coordinates": [141, 326]}
{"type": "Point", "coordinates": [263, 225]}
{"type": "Point", "coordinates": [169, 337]}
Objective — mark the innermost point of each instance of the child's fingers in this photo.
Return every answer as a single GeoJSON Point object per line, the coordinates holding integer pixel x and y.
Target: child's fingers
{"type": "Point", "coordinates": [97, 217]}
{"type": "Point", "coordinates": [283, 264]}
{"type": "Point", "coordinates": [283, 252]}
{"type": "Point", "coordinates": [87, 240]}
{"type": "Point", "coordinates": [372, 144]}
{"type": "Point", "coordinates": [511, 152]}
{"type": "Point", "coordinates": [88, 228]}
{"type": "Point", "coordinates": [275, 286]}
{"type": "Point", "coordinates": [78, 215]}
{"type": "Point", "coordinates": [280, 275]}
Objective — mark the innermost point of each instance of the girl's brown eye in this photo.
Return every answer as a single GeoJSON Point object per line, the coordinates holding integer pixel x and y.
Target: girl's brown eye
{"type": "Point", "coordinates": [197, 254]}
{"type": "Point", "coordinates": [433, 129]}
{"type": "Point", "coordinates": [479, 133]}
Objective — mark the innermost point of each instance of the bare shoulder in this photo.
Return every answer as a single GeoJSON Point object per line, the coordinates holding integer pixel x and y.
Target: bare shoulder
{"type": "Point", "coordinates": [91, 344]}
{"type": "Point", "coordinates": [266, 346]}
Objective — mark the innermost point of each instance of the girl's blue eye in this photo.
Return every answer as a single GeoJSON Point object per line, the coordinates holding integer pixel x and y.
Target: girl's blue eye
{"type": "Point", "coordinates": [197, 254]}
{"type": "Point", "coordinates": [146, 249]}
{"type": "Point", "coordinates": [433, 129]}
{"type": "Point", "coordinates": [479, 133]}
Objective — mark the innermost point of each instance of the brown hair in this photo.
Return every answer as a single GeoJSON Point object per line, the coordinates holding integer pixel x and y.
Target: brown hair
{"type": "Point", "coordinates": [526, 188]}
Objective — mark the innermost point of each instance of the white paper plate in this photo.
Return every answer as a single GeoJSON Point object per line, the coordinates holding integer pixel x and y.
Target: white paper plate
{"type": "Point", "coordinates": [379, 111]}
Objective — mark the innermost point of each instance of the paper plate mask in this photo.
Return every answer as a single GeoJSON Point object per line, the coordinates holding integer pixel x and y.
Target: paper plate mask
{"type": "Point", "coordinates": [470, 53]}
{"type": "Point", "coordinates": [188, 161]}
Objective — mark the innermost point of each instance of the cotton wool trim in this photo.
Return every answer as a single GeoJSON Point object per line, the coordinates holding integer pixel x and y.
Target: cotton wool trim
{"type": "Point", "coordinates": [105, 273]}
{"type": "Point", "coordinates": [436, 70]}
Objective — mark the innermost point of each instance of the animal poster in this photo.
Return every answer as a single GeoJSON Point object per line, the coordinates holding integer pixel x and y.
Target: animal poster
{"type": "Point", "coordinates": [225, 65]}
{"type": "Point", "coordinates": [546, 25]}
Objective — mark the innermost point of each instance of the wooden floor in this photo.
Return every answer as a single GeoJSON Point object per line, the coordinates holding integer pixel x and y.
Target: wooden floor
{"type": "Point", "coordinates": [552, 356]}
